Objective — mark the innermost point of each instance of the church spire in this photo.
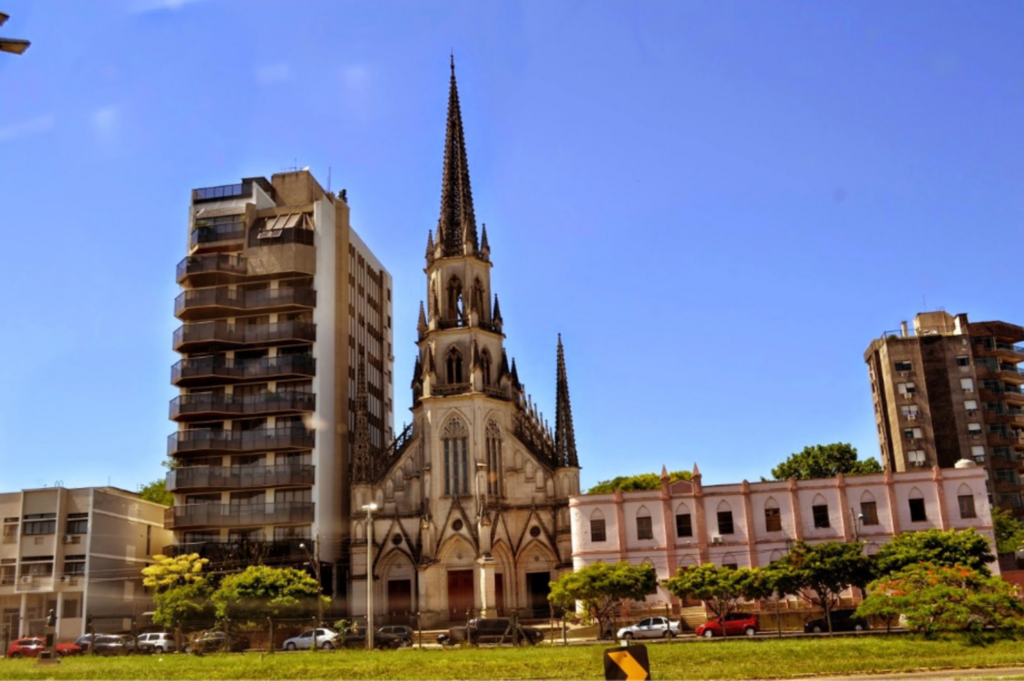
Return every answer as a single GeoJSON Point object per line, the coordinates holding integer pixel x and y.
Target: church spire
{"type": "Point", "coordinates": [565, 437]}
{"type": "Point", "coordinates": [456, 228]}
{"type": "Point", "coordinates": [361, 466]}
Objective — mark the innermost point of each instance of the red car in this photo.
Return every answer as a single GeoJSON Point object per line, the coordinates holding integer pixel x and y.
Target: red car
{"type": "Point", "coordinates": [736, 623]}
{"type": "Point", "coordinates": [33, 647]}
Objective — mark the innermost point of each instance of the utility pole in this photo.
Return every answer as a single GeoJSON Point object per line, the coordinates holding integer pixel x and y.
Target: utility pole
{"type": "Point", "coordinates": [315, 563]}
{"type": "Point", "coordinates": [369, 508]}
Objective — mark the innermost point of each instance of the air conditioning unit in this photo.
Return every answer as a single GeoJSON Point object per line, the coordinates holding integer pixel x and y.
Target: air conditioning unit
{"type": "Point", "coordinates": [65, 579]}
{"type": "Point", "coordinates": [26, 579]}
{"type": "Point", "coordinates": [904, 374]}
{"type": "Point", "coordinates": [68, 538]}
{"type": "Point", "coordinates": [716, 540]}
{"type": "Point", "coordinates": [912, 415]}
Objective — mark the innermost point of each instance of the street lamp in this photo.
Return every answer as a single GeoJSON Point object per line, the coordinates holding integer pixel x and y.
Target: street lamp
{"type": "Point", "coordinates": [480, 468]}
{"type": "Point", "coordinates": [12, 45]}
{"type": "Point", "coordinates": [315, 563]}
{"type": "Point", "coordinates": [369, 508]}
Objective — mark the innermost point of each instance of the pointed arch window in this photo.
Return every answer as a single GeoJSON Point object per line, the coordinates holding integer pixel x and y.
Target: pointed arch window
{"type": "Point", "coordinates": [494, 467]}
{"type": "Point", "coordinates": [597, 527]}
{"type": "Point", "coordinates": [644, 524]}
{"type": "Point", "coordinates": [772, 516]}
{"type": "Point", "coordinates": [485, 365]}
{"type": "Point", "coordinates": [454, 309]}
{"type": "Point", "coordinates": [454, 366]}
{"type": "Point", "coordinates": [456, 458]}
{"type": "Point", "coordinates": [965, 497]}
{"type": "Point", "coordinates": [478, 297]}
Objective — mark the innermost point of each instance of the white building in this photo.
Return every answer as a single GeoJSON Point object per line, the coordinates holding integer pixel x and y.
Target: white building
{"type": "Point", "coordinates": [752, 524]}
{"type": "Point", "coordinates": [78, 552]}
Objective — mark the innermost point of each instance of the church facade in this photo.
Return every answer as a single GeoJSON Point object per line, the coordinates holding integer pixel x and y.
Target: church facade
{"type": "Point", "coordinates": [466, 513]}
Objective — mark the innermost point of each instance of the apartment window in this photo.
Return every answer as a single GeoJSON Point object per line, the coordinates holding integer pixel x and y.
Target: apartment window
{"type": "Point", "coordinates": [967, 506]}
{"type": "Point", "coordinates": [78, 523]}
{"type": "Point", "coordinates": [963, 361]}
{"type": "Point", "coordinates": [7, 571]}
{"type": "Point", "coordinates": [820, 514]}
{"type": "Point", "coordinates": [971, 405]}
{"type": "Point", "coordinates": [869, 511]}
{"type": "Point", "coordinates": [974, 428]}
{"type": "Point", "coordinates": [293, 496]}
{"type": "Point", "coordinates": [644, 527]}
{"type": "Point", "coordinates": [684, 526]}
{"type": "Point", "coordinates": [597, 530]}
{"type": "Point", "coordinates": [912, 433]}
{"type": "Point", "coordinates": [74, 565]}
{"type": "Point", "coordinates": [906, 388]}
{"type": "Point", "coordinates": [967, 385]}
{"type": "Point", "coordinates": [904, 366]}
{"type": "Point", "coordinates": [725, 522]}
{"type": "Point", "coordinates": [909, 412]}
{"type": "Point", "coordinates": [71, 608]}
{"type": "Point", "coordinates": [978, 452]}
{"type": "Point", "coordinates": [1006, 475]}
{"type": "Point", "coordinates": [248, 499]}
{"type": "Point", "coordinates": [37, 566]}
{"type": "Point", "coordinates": [10, 531]}
{"type": "Point", "coordinates": [916, 457]}
{"type": "Point", "coordinates": [917, 512]}
{"type": "Point", "coordinates": [284, 533]}
{"type": "Point", "coordinates": [772, 520]}
{"type": "Point", "coordinates": [39, 523]}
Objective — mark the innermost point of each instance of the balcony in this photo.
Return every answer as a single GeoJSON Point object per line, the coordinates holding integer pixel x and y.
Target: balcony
{"type": "Point", "coordinates": [201, 335]}
{"type": "Point", "coordinates": [260, 440]}
{"type": "Point", "coordinates": [222, 235]}
{"type": "Point", "coordinates": [246, 552]}
{"type": "Point", "coordinates": [239, 477]}
{"type": "Point", "coordinates": [235, 515]}
{"type": "Point", "coordinates": [211, 269]}
{"type": "Point", "coordinates": [222, 192]}
{"type": "Point", "coordinates": [198, 371]}
{"type": "Point", "coordinates": [222, 301]}
{"type": "Point", "coordinates": [205, 405]}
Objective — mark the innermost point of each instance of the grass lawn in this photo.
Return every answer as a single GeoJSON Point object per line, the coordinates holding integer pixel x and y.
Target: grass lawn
{"type": "Point", "coordinates": [740, 659]}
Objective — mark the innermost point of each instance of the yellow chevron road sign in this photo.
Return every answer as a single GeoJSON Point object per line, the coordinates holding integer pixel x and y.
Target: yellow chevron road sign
{"type": "Point", "coordinates": [627, 664]}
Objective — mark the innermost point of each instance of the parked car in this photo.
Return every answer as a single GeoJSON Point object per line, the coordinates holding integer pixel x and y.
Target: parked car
{"type": "Point", "coordinates": [650, 627]}
{"type": "Point", "coordinates": [215, 642]}
{"type": "Point", "coordinates": [736, 623]}
{"type": "Point", "coordinates": [381, 641]}
{"type": "Point", "coordinates": [156, 642]}
{"type": "Point", "coordinates": [842, 620]}
{"type": "Point", "coordinates": [325, 640]}
{"type": "Point", "coordinates": [131, 646]}
{"type": "Point", "coordinates": [106, 644]}
{"type": "Point", "coordinates": [401, 631]}
{"type": "Point", "coordinates": [491, 630]}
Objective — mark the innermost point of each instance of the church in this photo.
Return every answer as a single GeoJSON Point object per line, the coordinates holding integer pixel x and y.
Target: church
{"type": "Point", "coordinates": [466, 513]}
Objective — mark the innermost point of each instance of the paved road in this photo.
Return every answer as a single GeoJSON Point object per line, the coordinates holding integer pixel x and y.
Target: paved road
{"type": "Point", "coordinates": [995, 673]}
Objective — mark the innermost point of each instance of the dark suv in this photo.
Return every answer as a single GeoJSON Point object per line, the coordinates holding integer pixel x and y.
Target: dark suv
{"type": "Point", "coordinates": [496, 630]}
{"type": "Point", "coordinates": [842, 620]}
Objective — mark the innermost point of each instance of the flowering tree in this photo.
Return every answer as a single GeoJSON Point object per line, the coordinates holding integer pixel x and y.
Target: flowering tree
{"type": "Point", "coordinates": [936, 598]}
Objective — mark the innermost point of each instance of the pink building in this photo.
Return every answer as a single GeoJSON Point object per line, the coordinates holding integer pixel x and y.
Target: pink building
{"type": "Point", "coordinates": [753, 524]}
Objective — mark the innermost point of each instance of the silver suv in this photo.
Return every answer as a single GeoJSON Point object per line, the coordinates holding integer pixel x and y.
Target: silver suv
{"type": "Point", "coordinates": [159, 643]}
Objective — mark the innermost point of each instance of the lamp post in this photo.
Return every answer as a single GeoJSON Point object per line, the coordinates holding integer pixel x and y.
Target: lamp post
{"type": "Point", "coordinates": [315, 563]}
{"type": "Point", "coordinates": [480, 468]}
{"type": "Point", "coordinates": [369, 508]}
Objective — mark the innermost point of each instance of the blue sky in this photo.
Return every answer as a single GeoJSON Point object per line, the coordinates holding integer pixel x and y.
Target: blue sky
{"type": "Point", "coordinates": [718, 205]}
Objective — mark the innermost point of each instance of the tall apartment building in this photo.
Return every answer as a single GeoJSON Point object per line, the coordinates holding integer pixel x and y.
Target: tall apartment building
{"type": "Point", "coordinates": [78, 552]}
{"type": "Point", "coordinates": [281, 299]}
{"type": "Point", "coordinates": [952, 390]}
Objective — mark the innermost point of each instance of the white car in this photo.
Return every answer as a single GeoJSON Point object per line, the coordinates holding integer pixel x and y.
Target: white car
{"type": "Point", "coordinates": [325, 640]}
{"type": "Point", "coordinates": [650, 627]}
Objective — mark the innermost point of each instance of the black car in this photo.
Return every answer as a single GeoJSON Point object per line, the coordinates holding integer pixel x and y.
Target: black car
{"type": "Point", "coordinates": [400, 630]}
{"type": "Point", "coordinates": [491, 630]}
{"type": "Point", "coordinates": [381, 640]}
{"type": "Point", "coordinates": [842, 620]}
{"type": "Point", "coordinates": [215, 642]}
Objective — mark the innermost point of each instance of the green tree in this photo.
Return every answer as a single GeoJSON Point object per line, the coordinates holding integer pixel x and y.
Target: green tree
{"type": "Point", "coordinates": [1008, 530]}
{"type": "Point", "coordinates": [601, 588]}
{"type": "Point", "coordinates": [825, 461]}
{"type": "Point", "coordinates": [720, 588]}
{"type": "Point", "coordinates": [936, 598]}
{"type": "Point", "coordinates": [630, 483]}
{"type": "Point", "coordinates": [819, 573]}
{"type": "Point", "coordinates": [157, 491]}
{"type": "Point", "coordinates": [182, 590]}
{"type": "Point", "coordinates": [939, 547]}
{"type": "Point", "coordinates": [263, 591]}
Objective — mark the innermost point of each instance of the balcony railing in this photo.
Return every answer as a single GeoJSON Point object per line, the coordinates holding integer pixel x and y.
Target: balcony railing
{"type": "Point", "coordinates": [451, 389]}
{"type": "Point", "coordinates": [213, 262]}
{"type": "Point", "coordinates": [212, 234]}
{"type": "Point", "coordinates": [221, 296]}
{"type": "Point", "coordinates": [242, 404]}
{"type": "Point", "coordinates": [260, 440]}
{"type": "Point", "coordinates": [223, 332]}
{"type": "Point", "coordinates": [235, 515]}
{"type": "Point", "coordinates": [246, 552]}
{"type": "Point", "coordinates": [239, 477]}
{"type": "Point", "coordinates": [224, 191]}
{"type": "Point", "coordinates": [222, 368]}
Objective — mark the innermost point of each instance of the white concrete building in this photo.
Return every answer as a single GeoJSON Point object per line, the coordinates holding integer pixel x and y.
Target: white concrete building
{"type": "Point", "coordinates": [752, 524]}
